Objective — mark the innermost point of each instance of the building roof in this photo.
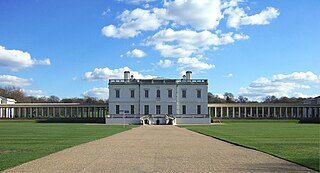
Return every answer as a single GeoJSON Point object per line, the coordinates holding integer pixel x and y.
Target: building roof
{"type": "Point", "coordinates": [158, 81]}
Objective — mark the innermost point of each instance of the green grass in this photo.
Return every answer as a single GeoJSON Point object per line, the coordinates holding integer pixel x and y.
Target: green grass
{"type": "Point", "coordinates": [286, 139]}
{"type": "Point", "coordinates": [23, 141]}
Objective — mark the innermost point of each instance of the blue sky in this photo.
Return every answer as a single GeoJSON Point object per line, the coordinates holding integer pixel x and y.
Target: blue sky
{"type": "Point", "coordinates": [250, 48]}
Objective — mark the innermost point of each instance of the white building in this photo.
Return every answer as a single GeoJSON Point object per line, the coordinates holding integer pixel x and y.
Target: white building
{"type": "Point", "coordinates": [6, 112]}
{"type": "Point", "coordinates": [158, 101]}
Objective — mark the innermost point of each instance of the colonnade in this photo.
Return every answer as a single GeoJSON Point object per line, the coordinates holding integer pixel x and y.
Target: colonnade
{"type": "Point", "coordinates": [250, 110]}
{"type": "Point", "coordinates": [54, 110]}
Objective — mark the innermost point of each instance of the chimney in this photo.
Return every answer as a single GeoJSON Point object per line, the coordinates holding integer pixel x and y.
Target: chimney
{"type": "Point", "coordinates": [126, 75]}
{"type": "Point", "coordinates": [189, 75]}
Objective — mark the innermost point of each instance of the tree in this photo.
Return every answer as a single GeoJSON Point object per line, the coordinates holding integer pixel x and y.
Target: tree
{"type": "Point", "coordinates": [229, 97]}
{"type": "Point", "coordinates": [242, 99]}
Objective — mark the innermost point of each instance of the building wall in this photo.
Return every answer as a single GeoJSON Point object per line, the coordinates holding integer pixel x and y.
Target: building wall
{"type": "Point", "coordinates": [191, 101]}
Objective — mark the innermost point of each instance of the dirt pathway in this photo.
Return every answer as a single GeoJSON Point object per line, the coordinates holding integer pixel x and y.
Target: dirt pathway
{"type": "Point", "coordinates": [158, 149]}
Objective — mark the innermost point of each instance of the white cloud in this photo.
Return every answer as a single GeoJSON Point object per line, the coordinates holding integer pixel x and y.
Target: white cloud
{"type": "Point", "coordinates": [16, 59]}
{"type": "Point", "coordinates": [280, 85]}
{"type": "Point", "coordinates": [185, 43]}
{"type": "Point", "coordinates": [165, 63]}
{"type": "Point", "coordinates": [133, 22]}
{"type": "Point", "coordinates": [228, 75]}
{"type": "Point", "coordinates": [8, 80]}
{"type": "Point", "coordinates": [106, 73]}
{"type": "Point", "coordinates": [100, 93]}
{"type": "Point", "coordinates": [136, 53]}
{"type": "Point", "coordinates": [238, 17]}
{"type": "Point", "coordinates": [297, 76]}
{"type": "Point", "coordinates": [202, 15]}
{"type": "Point", "coordinates": [193, 64]}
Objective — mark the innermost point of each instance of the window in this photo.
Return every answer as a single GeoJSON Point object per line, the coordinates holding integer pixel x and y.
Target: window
{"type": "Point", "coordinates": [132, 109]}
{"type": "Point", "coordinates": [170, 93]}
{"type": "Point", "coordinates": [146, 93]}
{"type": "Point", "coordinates": [198, 109]}
{"type": "Point", "coordinates": [158, 109]}
{"type": "Point", "coordinates": [169, 109]}
{"type": "Point", "coordinates": [117, 93]}
{"type": "Point", "coordinates": [184, 109]}
{"type": "Point", "coordinates": [158, 93]}
{"type": "Point", "coordinates": [184, 93]}
{"type": "Point", "coordinates": [146, 109]}
{"type": "Point", "coordinates": [198, 93]}
{"type": "Point", "coordinates": [117, 109]}
{"type": "Point", "coordinates": [132, 93]}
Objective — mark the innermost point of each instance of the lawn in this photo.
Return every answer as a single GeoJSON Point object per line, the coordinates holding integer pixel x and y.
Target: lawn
{"type": "Point", "coordinates": [286, 139]}
{"type": "Point", "coordinates": [23, 141]}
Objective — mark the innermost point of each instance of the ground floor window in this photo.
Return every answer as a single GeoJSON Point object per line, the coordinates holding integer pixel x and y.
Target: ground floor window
{"type": "Point", "coordinates": [146, 109]}
{"type": "Point", "coordinates": [184, 109]}
{"type": "Point", "coordinates": [117, 109]}
{"type": "Point", "coordinates": [198, 109]}
{"type": "Point", "coordinates": [132, 109]}
{"type": "Point", "coordinates": [169, 109]}
{"type": "Point", "coordinates": [158, 109]}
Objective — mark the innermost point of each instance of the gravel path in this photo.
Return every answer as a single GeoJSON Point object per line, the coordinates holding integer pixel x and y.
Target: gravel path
{"type": "Point", "coordinates": [158, 149]}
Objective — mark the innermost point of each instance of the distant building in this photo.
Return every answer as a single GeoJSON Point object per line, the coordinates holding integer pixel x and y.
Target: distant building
{"type": "Point", "coordinates": [158, 101]}
{"type": "Point", "coordinates": [6, 113]}
{"type": "Point", "coordinates": [310, 101]}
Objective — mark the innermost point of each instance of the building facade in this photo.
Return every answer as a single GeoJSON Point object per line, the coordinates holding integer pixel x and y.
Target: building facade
{"type": "Point", "coordinates": [158, 101]}
{"type": "Point", "coordinates": [6, 113]}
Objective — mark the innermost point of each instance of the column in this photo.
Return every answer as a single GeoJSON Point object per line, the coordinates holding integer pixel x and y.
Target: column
{"type": "Point", "coordinates": [245, 112]}
{"type": "Point", "coordinates": [275, 112]}
{"type": "Point", "coordinates": [37, 115]}
{"type": "Point", "coordinates": [30, 111]}
{"type": "Point", "coordinates": [251, 112]}
{"type": "Point", "coordinates": [263, 116]}
{"type": "Point", "coordinates": [286, 112]}
{"type": "Point", "coordinates": [77, 112]}
{"type": "Point", "coordinates": [215, 112]}
{"type": "Point", "coordinates": [227, 112]}
{"type": "Point", "coordinates": [233, 112]}
{"type": "Point", "coordinates": [239, 112]}
{"type": "Point", "coordinates": [65, 112]}
{"type": "Point", "coordinates": [221, 111]}
{"type": "Point", "coordinates": [71, 112]}
{"type": "Point", "coordinates": [82, 112]}
{"type": "Point", "coordinates": [281, 112]}
{"type": "Point", "coordinates": [304, 112]}
{"type": "Point", "coordinates": [268, 112]}
{"type": "Point", "coordinates": [292, 114]}
{"type": "Point", "coordinates": [257, 112]}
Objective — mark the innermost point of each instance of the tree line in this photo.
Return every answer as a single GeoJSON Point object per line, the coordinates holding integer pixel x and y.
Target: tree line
{"type": "Point", "coordinates": [21, 97]}
{"type": "Point", "coordinates": [229, 98]}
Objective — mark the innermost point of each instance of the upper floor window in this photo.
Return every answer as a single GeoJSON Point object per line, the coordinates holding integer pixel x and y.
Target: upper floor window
{"type": "Point", "coordinates": [146, 93]}
{"type": "Point", "coordinates": [170, 93]}
{"type": "Point", "coordinates": [132, 93]}
{"type": "Point", "coordinates": [117, 93]}
{"type": "Point", "coordinates": [158, 93]}
{"type": "Point", "coordinates": [184, 93]}
{"type": "Point", "coordinates": [198, 93]}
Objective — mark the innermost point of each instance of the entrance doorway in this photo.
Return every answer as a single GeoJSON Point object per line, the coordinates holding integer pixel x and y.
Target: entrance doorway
{"type": "Point", "coordinates": [158, 122]}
